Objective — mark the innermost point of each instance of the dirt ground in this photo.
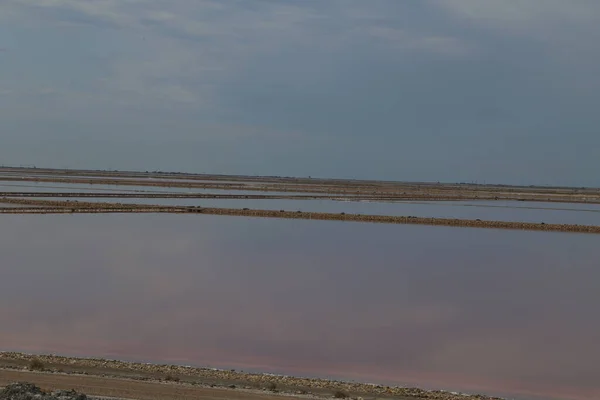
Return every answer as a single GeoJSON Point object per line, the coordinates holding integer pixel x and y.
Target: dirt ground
{"type": "Point", "coordinates": [129, 389]}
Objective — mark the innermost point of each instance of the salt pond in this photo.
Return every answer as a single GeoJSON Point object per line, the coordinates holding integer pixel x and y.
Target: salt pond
{"type": "Point", "coordinates": [502, 312]}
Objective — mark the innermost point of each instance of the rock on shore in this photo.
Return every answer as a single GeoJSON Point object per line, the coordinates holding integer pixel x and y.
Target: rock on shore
{"type": "Point", "coordinates": [28, 391]}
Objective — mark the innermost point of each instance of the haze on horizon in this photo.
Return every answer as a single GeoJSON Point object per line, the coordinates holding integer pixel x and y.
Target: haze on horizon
{"type": "Point", "coordinates": [434, 90]}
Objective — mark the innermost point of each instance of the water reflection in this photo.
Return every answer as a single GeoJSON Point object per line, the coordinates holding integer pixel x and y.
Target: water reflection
{"type": "Point", "coordinates": [95, 188]}
{"type": "Point", "coordinates": [504, 312]}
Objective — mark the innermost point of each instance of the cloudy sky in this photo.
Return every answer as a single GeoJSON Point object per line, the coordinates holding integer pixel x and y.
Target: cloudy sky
{"type": "Point", "coordinates": [437, 90]}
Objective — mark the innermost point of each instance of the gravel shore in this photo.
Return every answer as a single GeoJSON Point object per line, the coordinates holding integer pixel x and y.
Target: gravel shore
{"type": "Point", "coordinates": [219, 378]}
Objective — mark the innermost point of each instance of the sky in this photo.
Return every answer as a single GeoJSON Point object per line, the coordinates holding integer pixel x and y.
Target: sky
{"type": "Point", "coordinates": [487, 91]}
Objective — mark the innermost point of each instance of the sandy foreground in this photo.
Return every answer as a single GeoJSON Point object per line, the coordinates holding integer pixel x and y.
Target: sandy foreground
{"type": "Point", "coordinates": [117, 379]}
{"type": "Point", "coordinates": [125, 389]}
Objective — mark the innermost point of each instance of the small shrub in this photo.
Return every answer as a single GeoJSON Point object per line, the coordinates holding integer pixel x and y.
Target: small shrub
{"type": "Point", "coordinates": [171, 378]}
{"type": "Point", "coordinates": [340, 395]}
{"type": "Point", "coordinates": [36, 365]}
{"type": "Point", "coordinates": [272, 386]}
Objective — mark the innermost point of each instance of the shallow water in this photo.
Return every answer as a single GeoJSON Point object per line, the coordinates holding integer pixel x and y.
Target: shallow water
{"type": "Point", "coordinates": [501, 312]}
{"type": "Point", "coordinates": [95, 188]}
{"type": "Point", "coordinates": [241, 181]}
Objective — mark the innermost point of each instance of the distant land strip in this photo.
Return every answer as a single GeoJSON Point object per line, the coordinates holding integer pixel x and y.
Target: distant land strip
{"type": "Point", "coordinates": [67, 207]}
{"type": "Point", "coordinates": [383, 191]}
{"type": "Point", "coordinates": [187, 176]}
{"type": "Point", "coordinates": [128, 195]}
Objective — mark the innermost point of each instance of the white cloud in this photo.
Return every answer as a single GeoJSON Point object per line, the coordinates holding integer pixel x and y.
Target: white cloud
{"type": "Point", "coordinates": [402, 40]}
{"type": "Point", "coordinates": [102, 9]}
{"type": "Point", "coordinates": [523, 14]}
{"type": "Point", "coordinates": [198, 18]}
{"type": "Point", "coordinates": [181, 49]}
{"type": "Point", "coordinates": [563, 34]}
{"type": "Point", "coordinates": [163, 70]}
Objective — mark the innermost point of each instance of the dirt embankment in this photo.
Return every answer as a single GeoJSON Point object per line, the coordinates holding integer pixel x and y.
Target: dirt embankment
{"type": "Point", "coordinates": [68, 207]}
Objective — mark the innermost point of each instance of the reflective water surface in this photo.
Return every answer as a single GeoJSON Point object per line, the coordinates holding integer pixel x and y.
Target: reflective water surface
{"type": "Point", "coordinates": [502, 312]}
{"type": "Point", "coordinates": [95, 188]}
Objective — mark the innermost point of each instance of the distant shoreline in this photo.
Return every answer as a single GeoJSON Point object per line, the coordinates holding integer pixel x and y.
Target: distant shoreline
{"type": "Point", "coordinates": [242, 177]}
{"type": "Point", "coordinates": [82, 173]}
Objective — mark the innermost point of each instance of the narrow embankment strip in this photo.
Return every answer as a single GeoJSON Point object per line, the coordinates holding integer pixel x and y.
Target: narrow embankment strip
{"type": "Point", "coordinates": [66, 207]}
{"type": "Point", "coordinates": [397, 190]}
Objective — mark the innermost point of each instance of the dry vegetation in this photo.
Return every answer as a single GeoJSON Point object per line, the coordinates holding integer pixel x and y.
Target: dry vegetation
{"type": "Point", "coordinates": [36, 365]}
